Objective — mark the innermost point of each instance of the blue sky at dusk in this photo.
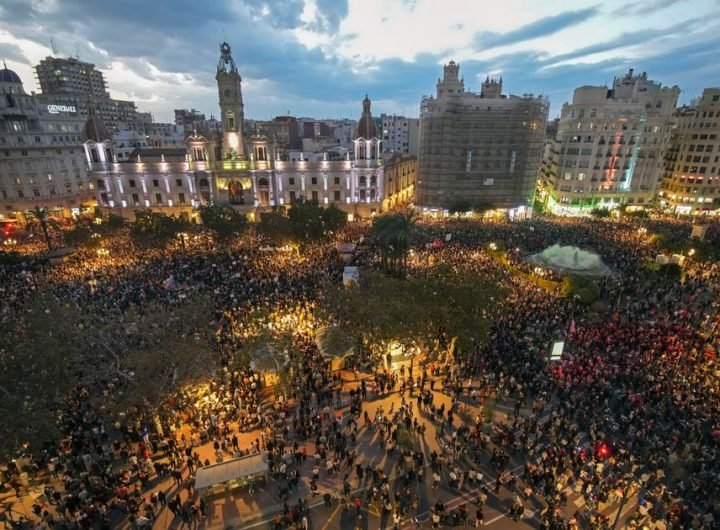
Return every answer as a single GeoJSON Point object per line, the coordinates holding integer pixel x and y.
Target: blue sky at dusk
{"type": "Point", "coordinates": [319, 57]}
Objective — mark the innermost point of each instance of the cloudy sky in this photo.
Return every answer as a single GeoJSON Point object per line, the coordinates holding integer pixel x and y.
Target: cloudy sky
{"type": "Point", "coordinates": [319, 57]}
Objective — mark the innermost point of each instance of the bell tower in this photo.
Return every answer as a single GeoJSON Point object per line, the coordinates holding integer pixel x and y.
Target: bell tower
{"type": "Point", "coordinates": [231, 104]}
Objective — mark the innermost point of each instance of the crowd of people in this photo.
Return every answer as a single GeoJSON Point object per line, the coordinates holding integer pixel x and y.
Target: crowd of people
{"type": "Point", "coordinates": [630, 412]}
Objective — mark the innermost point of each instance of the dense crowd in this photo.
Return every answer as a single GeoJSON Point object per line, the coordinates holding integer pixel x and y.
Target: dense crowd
{"type": "Point", "coordinates": [630, 411]}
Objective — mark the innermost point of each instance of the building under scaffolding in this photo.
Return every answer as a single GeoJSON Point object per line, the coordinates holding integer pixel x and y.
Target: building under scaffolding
{"type": "Point", "coordinates": [479, 150]}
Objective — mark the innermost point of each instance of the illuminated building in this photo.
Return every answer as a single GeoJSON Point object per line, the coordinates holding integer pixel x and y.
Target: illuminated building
{"type": "Point", "coordinates": [41, 154]}
{"type": "Point", "coordinates": [245, 170]}
{"type": "Point", "coordinates": [691, 184]}
{"type": "Point", "coordinates": [478, 149]}
{"type": "Point", "coordinates": [608, 150]}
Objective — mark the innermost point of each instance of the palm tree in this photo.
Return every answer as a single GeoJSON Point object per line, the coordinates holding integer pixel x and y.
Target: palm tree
{"type": "Point", "coordinates": [42, 222]}
{"type": "Point", "coordinates": [394, 232]}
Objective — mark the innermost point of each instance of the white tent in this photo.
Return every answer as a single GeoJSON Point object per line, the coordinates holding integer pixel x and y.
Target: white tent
{"type": "Point", "coordinates": [235, 469]}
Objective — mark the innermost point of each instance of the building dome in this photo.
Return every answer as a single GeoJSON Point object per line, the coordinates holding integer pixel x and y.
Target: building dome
{"type": "Point", "coordinates": [8, 76]}
{"type": "Point", "coordinates": [366, 127]}
{"type": "Point", "coordinates": [95, 130]}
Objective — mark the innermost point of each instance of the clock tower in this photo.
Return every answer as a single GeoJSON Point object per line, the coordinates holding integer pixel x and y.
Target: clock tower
{"type": "Point", "coordinates": [231, 104]}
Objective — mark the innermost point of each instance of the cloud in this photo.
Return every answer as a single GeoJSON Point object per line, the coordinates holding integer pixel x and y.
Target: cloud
{"type": "Point", "coordinates": [539, 28]}
{"type": "Point", "coordinates": [645, 7]}
{"type": "Point", "coordinates": [319, 57]}
{"type": "Point", "coordinates": [12, 52]}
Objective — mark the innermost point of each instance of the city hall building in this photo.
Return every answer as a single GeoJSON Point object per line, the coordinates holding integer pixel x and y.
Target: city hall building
{"type": "Point", "coordinates": [245, 171]}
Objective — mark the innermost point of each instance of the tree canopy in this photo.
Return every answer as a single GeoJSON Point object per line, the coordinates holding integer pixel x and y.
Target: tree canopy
{"type": "Point", "coordinates": [225, 221]}
{"type": "Point", "coordinates": [393, 232]}
{"type": "Point", "coordinates": [418, 310]}
{"type": "Point", "coordinates": [153, 229]}
{"type": "Point", "coordinates": [303, 222]}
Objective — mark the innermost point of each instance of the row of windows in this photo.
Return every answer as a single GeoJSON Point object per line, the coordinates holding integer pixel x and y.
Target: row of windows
{"type": "Point", "coordinates": [40, 193]}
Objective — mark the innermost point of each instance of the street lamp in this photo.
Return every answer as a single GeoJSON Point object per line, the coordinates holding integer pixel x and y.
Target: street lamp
{"type": "Point", "coordinates": [103, 252]}
{"type": "Point", "coordinates": [691, 252]}
{"type": "Point", "coordinates": [492, 246]}
{"type": "Point", "coordinates": [10, 242]}
{"type": "Point", "coordinates": [182, 236]}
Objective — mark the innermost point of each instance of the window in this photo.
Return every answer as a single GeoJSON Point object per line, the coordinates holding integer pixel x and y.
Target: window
{"type": "Point", "coordinates": [23, 153]}
{"type": "Point", "coordinates": [292, 197]}
{"type": "Point", "coordinates": [336, 195]}
{"type": "Point", "coordinates": [131, 182]}
{"type": "Point", "coordinates": [20, 194]}
{"type": "Point", "coordinates": [158, 198]}
{"type": "Point", "coordinates": [313, 181]}
{"type": "Point", "coordinates": [156, 183]}
{"type": "Point", "coordinates": [36, 192]}
{"type": "Point", "coordinates": [336, 180]}
{"type": "Point", "coordinates": [136, 199]}
{"type": "Point", "coordinates": [181, 198]}
{"type": "Point", "coordinates": [291, 181]}
{"type": "Point", "coordinates": [178, 183]}
{"type": "Point", "coordinates": [315, 196]}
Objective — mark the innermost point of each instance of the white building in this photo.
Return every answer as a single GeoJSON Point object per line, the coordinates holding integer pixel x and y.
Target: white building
{"type": "Point", "coordinates": [609, 146]}
{"type": "Point", "coordinates": [400, 134]}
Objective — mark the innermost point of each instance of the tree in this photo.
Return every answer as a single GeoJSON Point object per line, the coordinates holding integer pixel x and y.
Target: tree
{"type": "Point", "coordinates": [225, 221]}
{"type": "Point", "coordinates": [276, 226]}
{"type": "Point", "coordinates": [152, 229]}
{"type": "Point", "coordinates": [394, 232]}
{"type": "Point", "coordinates": [415, 311]}
{"type": "Point", "coordinates": [50, 347]}
{"type": "Point", "coordinates": [460, 206]}
{"type": "Point", "coordinates": [584, 288]}
{"type": "Point", "coordinates": [311, 223]}
{"type": "Point", "coordinates": [82, 234]}
{"type": "Point", "coordinates": [304, 222]}
{"type": "Point", "coordinates": [41, 221]}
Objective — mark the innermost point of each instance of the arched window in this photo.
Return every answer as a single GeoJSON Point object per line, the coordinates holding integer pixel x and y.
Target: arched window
{"type": "Point", "coordinates": [100, 184]}
{"type": "Point", "coordinates": [363, 180]}
{"type": "Point", "coordinates": [236, 193]}
{"type": "Point", "coordinates": [263, 181]}
{"type": "Point", "coordinates": [230, 119]}
{"type": "Point", "coordinates": [373, 180]}
{"type": "Point", "coordinates": [204, 183]}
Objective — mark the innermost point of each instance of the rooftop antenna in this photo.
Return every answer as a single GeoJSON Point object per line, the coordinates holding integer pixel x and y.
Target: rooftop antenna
{"type": "Point", "coordinates": [52, 45]}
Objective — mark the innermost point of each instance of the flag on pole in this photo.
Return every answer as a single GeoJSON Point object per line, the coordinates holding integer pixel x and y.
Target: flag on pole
{"type": "Point", "coordinates": [572, 326]}
{"type": "Point", "coordinates": [169, 283]}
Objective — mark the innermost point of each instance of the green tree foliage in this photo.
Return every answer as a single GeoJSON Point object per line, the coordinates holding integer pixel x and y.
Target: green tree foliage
{"type": "Point", "coordinates": [311, 222]}
{"type": "Point", "coordinates": [394, 232]}
{"type": "Point", "coordinates": [600, 213]}
{"type": "Point", "coordinates": [416, 310]}
{"type": "Point", "coordinates": [51, 346]}
{"type": "Point", "coordinates": [225, 221]}
{"type": "Point", "coordinates": [276, 226]}
{"type": "Point", "coordinates": [40, 221]}
{"type": "Point", "coordinates": [304, 222]}
{"type": "Point", "coordinates": [582, 287]}
{"type": "Point", "coordinates": [153, 229]}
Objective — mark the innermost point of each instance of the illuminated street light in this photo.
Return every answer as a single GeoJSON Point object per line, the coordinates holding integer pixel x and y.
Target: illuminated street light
{"type": "Point", "coordinates": [492, 246]}
{"type": "Point", "coordinates": [691, 252]}
{"type": "Point", "coordinates": [103, 252]}
{"type": "Point", "coordinates": [10, 242]}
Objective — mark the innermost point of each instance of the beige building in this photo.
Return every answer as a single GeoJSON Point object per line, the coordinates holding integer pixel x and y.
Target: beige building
{"type": "Point", "coordinates": [478, 149]}
{"type": "Point", "coordinates": [691, 184]}
{"type": "Point", "coordinates": [42, 160]}
{"type": "Point", "coordinates": [608, 150]}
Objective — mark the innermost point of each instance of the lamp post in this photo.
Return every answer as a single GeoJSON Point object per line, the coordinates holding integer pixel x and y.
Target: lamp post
{"type": "Point", "coordinates": [182, 236]}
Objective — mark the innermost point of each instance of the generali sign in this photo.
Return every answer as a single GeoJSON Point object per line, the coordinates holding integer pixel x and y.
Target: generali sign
{"type": "Point", "coordinates": [57, 109]}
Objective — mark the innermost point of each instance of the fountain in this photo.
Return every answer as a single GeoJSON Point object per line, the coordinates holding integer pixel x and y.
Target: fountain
{"type": "Point", "coordinates": [572, 260]}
